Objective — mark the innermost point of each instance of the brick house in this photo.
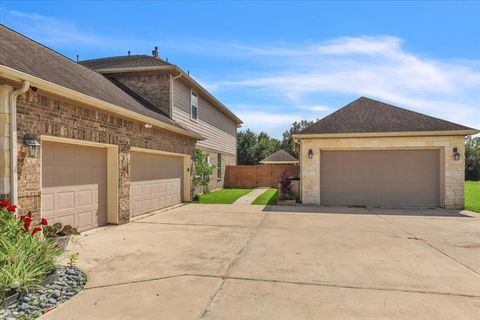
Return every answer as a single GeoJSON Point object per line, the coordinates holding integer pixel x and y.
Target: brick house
{"type": "Point", "coordinates": [175, 94]}
{"type": "Point", "coordinates": [105, 153]}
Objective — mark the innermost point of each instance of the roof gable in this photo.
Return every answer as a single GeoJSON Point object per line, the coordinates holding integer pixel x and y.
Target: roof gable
{"type": "Point", "coordinates": [280, 156]}
{"type": "Point", "coordinates": [367, 115]}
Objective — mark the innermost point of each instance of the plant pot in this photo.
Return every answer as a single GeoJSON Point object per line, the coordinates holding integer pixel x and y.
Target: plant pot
{"type": "Point", "coordinates": [287, 202]}
{"type": "Point", "coordinates": [61, 242]}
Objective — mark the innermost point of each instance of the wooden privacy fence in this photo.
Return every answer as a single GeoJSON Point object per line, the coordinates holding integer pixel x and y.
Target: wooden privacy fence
{"type": "Point", "coordinates": [263, 175]}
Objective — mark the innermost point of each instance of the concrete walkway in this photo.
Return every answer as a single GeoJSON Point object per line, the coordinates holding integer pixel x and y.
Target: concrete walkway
{"type": "Point", "coordinates": [216, 262]}
{"type": "Point", "coordinates": [249, 197]}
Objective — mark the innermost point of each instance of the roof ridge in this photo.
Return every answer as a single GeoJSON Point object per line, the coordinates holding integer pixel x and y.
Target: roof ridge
{"type": "Point", "coordinates": [117, 57]}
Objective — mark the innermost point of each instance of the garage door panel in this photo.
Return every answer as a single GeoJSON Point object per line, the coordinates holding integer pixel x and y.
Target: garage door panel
{"type": "Point", "coordinates": [390, 178]}
{"type": "Point", "coordinates": [74, 188]}
{"type": "Point", "coordinates": [156, 181]}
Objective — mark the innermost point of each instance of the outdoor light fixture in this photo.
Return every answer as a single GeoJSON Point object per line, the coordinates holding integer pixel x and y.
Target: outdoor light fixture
{"type": "Point", "coordinates": [33, 145]}
{"type": "Point", "coordinates": [310, 153]}
{"type": "Point", "coordinates": [456, 154]}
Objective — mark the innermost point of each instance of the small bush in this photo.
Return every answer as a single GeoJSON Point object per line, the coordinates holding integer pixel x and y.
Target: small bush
{"type": "Point", "coordinates": [26, 258]}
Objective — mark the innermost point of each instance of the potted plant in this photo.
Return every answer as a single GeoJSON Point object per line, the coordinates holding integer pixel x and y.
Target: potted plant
{"type": "Point", "coordinates": [59, 233]}
{"type": "Point", "coordinates": [287, 196]}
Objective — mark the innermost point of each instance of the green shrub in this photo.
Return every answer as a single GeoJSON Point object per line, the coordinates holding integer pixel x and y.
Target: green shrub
{"type": "Point", "coordinates": [26, 258]}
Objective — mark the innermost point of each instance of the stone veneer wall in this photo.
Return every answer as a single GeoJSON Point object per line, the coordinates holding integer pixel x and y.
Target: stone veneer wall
{"type": "Point", "coordinates": [153, 87]}
{"type": "Point", "coordinates": [42, 114]}
{"type": "Point", "coordinates": [452, 172]}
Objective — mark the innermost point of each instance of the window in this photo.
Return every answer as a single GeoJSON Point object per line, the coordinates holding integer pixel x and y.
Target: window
{"type": "Point", "coordinates": [194, 107]}
{"type": "Point", "coordinates": [219, 166]}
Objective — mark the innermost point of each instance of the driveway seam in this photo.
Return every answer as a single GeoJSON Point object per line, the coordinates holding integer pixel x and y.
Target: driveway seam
{"type": "Point", "coordinates": [427, 244]}
{"type": "Point", "coordinates": [302, 283]}
{"type": "Point", "coordinates": [195, 224]}
{"type": "Point", "coordinates": [226, 276]}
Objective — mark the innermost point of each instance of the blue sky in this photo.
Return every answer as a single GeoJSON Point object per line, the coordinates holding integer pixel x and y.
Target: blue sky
{"type": "Point", "coordinates": [276, 62]}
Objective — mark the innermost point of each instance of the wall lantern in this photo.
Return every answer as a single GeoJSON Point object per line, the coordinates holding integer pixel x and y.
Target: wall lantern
{"type": "Point", "coordinates": [310, 153]}
{"type": "Point", "coordinates": [33, 145]}
{"type": "Point", "coordinates": [456, 154]}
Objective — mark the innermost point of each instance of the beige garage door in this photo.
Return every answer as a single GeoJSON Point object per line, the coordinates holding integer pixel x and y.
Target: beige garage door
{"type": "Point", "coordinates": [156, 182]}
{"type": "Point", "coordinates": [74, 185]}
{"type": "Point", "coordinates": [383, 178]}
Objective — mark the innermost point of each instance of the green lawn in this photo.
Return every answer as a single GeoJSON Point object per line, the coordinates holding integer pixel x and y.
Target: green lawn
{"type": "Point", "coordinates": [269, 197]}
{"type": "Point", "coordinates": [472, 195]}
{"type": "Point", "coordinates": [223, 196]}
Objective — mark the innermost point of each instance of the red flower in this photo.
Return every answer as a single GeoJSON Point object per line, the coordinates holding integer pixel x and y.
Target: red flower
{"type": "Point", "coordinates": [29, 213]}
{"type": "Point", "coordinates": [27, 223]}
{"type": "Point", "coordinates": [36, 229]}
{"type": "Point", "coordinates": [5, 203]}
{"type": "Point", "coordinates": [44, 222]}
{"type": "Point", "coordinates": [12, 208]}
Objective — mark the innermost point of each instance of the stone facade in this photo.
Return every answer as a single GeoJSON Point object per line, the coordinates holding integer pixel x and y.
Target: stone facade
{"type": "Point", "coordinates": [217, 182]}
{"type": "Point", "coordinates": [42, 114]}
{"type": "Point", "coordinates": [452, 173]}
{"type": "Point", "coordinates": [155, 87]}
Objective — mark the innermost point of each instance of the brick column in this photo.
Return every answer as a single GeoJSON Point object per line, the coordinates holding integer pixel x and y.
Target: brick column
{"type": "Point", "coordinates": [5, 91]}
{"type": "Point", "coordinates": [123, 182]}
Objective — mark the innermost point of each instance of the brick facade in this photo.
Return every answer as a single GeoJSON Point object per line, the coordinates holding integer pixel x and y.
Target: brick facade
{"type": "Point", "coordinates": [42, 114]}
{"type": "Point", "coordinates": [154, 87]}
{"type": "Point", "coordinates": [452, 172]}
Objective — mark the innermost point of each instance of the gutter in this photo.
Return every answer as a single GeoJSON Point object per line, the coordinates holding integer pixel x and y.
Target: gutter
{"type": "Point", "coordinates": [13, 139]}
{"type": "Point", "coordinates": [58, 90]}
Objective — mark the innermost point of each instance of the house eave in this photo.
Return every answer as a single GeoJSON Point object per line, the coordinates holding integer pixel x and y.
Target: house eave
{"type": "Point", "coordinates": [387, 134]}
{"type": "Point", "coordinates": [56, 89]}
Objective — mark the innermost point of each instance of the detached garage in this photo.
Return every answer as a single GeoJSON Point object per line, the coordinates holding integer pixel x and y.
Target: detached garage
{"type": "Point", "coordinates": [370, 153]}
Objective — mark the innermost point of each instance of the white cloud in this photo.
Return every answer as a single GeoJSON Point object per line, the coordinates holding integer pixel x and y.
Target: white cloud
{"type": "Point", "coordinates": [377, 67]}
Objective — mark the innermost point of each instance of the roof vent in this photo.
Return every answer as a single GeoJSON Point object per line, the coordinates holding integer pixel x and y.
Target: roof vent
{"type": "Point", "coordinates": [155, 52]}
{"type": "Point", "coordinates": [128, 52]}
{"type": "Point", "coordinates": [78, 57]}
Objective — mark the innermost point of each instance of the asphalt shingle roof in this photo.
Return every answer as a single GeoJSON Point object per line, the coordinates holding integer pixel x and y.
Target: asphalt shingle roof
{"type": "Point", "coordinates": [132, 61]}
{"type": "Point", "coordinates": [368, 115]}
{"type": "Point", "coordinates": [280, 155]}
{"type": "Point", "coordinates": [25, 55]}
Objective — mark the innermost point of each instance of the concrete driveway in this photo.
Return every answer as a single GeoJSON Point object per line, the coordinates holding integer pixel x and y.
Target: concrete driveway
{"type": "Point", "coordinates": [247, 262]}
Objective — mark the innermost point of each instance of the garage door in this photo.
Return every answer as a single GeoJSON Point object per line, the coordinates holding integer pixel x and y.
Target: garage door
{"type": "Point", "coordinates": [74, 185]}
{"type": "Point", "coordinates": [156, 182]}
{"type": "Point", "coordinates": [383, 178]}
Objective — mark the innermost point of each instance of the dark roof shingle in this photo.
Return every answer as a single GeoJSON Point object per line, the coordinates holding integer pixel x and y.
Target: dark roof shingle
{"type": "Point", "coordinates": [368, 115]}
{"type": "Point", "coordinates": [25, 55]}
{"type": "Point", "coordinates": [132, 61]}
{"type": "Point", "coordinates": [280, 156]}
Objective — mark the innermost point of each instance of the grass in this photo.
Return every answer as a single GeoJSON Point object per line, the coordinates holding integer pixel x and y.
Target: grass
{"type": "Point", "coordinates": [472, 195]}
{"type": "Point", "coordinates": [269, 197]}
{"type": "Point", "coordinates": [223, 196]}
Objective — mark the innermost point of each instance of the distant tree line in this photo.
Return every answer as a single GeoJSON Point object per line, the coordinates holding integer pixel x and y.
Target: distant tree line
{"type": "Point", "coordinates": [253, 147]}
{"type": "Point", "coordinates": [472, 159]}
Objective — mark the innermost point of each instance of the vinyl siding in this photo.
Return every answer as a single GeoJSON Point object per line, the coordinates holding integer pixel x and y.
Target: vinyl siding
{"type": "Point", "coordinates": [219, 131]}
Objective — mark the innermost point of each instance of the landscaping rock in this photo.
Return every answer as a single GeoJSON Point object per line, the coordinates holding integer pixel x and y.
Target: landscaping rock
{"type": "Point", "coordinates": [32, 305]}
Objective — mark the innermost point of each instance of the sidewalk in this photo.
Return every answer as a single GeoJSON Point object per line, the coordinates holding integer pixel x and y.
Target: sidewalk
{"type": "Point", "coordinates": [249, 197]}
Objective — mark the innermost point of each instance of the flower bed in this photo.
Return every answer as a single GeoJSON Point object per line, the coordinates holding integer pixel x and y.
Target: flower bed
{"type": "Point", "coordinates": [30, 281]}
{"type": "Point", "coordinates": [69, 281]}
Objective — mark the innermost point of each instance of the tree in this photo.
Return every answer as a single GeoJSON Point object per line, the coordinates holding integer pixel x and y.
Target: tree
{"type": "Point", "coordinates": [472, 159]}
{"type": "Point", "coordinates": [203, 170]}
{"type": "Point", "coordinates": [252, 148]}
{"type": "Point", "coordinates": [297, 126]}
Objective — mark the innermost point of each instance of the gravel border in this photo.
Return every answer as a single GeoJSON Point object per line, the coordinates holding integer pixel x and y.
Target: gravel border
{"type": "Point", "coordinates": [33, 304]}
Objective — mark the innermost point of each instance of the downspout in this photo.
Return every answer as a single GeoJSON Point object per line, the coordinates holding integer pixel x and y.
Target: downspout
{"type": "Point", "coordinates": [13, 140]}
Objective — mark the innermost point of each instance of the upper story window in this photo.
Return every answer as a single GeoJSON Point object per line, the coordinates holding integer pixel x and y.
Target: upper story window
{"type": "Point", "coordinates": [194, 106]}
